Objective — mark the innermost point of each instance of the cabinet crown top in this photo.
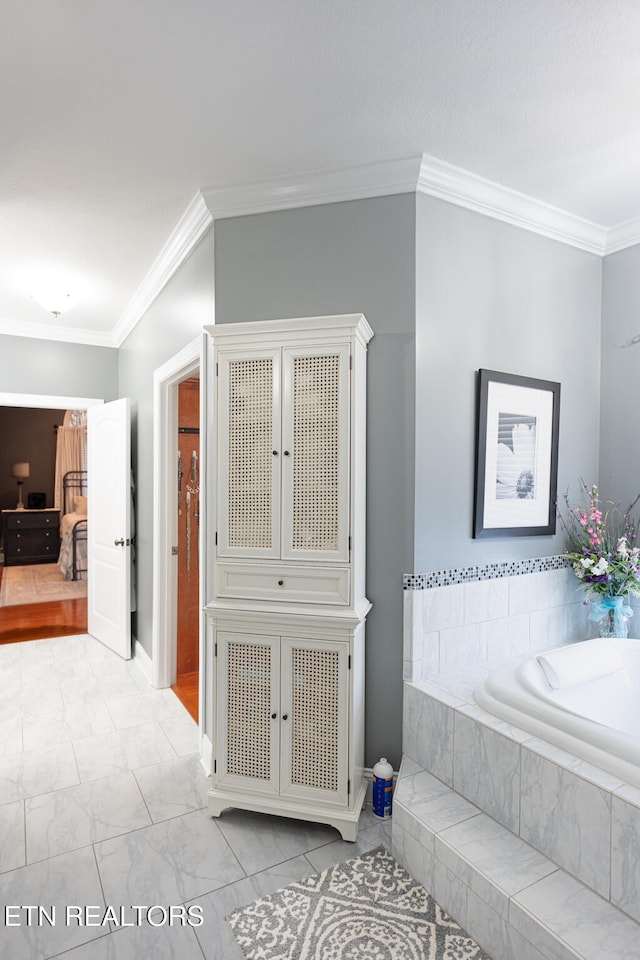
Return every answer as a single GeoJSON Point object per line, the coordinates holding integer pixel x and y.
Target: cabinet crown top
{"type": "Point", "coordinates": [307, 328]}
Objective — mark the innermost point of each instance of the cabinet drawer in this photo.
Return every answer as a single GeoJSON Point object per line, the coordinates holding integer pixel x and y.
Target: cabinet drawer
{"type": "Point", "coordinates": [273, 582]}
{"type": "Point", "coordinates": [32, 521]}
{"type": "Point", "coordinates": [31, 546]}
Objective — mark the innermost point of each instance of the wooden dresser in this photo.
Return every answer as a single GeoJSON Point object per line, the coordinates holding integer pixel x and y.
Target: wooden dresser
{"type": "Point", "coordinates": [31, 536]}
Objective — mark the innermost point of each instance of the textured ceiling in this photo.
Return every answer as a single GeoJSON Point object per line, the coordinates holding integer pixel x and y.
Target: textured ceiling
{"type": "Point", "coordinates": [113, 115]}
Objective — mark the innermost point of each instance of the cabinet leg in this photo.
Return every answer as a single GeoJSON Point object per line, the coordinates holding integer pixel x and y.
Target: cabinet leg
{"type": "Point", "coordinates": [215, 807]}
{"type": "Point", "coordinates": [348, 831]}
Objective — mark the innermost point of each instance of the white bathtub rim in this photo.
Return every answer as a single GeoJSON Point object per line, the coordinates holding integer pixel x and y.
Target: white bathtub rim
{"type": "Point", "coordinates": [616, 753]}
{"type": "Point", "coordinates": [575, 751]}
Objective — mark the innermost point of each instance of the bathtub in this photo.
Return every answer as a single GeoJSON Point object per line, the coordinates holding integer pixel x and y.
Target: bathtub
{"type": "Point", "coordinates": [597, 720]}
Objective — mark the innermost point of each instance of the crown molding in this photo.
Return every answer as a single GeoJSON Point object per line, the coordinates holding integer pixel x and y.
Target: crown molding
{"type": "Point", "coordinates": [442, 180]}
{"type": "Point", "coordinates": [52, 331]}
{"type": "Point", "coordinates": [420, 174]}
{"type": "Point", "coordinates": [188, 232]}
{"type": "Point", "coordinates": [314, 187]}
{"type": "Point", "coordinates": [623, 235]}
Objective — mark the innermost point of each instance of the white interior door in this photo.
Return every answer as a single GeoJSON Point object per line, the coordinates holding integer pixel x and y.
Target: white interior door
{"type": "Point", "coordinates": [109, 525]}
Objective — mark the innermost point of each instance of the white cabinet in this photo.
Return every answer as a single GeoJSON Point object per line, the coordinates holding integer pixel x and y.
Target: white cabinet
{"type": "Point", "coordinates": [286, 599]}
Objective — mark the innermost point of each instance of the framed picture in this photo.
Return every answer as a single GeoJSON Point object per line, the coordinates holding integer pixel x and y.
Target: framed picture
{"type": "Point", "coordinates": [516, 456]}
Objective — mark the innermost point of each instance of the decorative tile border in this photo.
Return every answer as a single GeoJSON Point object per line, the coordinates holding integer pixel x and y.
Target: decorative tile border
{"type": "Point", "coordinates": [488, 571]}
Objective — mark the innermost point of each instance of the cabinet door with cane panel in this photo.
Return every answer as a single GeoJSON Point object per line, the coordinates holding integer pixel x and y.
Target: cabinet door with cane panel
{"type": "Point", "coordinates": [283, 717]}
{"type": "Point", "coordinates": [249, 454]}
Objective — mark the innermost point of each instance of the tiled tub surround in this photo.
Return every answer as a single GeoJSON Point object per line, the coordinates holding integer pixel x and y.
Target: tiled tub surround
{"type": "Point", "coordinates": [512, 899]}
{"type": "Point", "coordinates": [541, 804]}
{"type": "Point", "coordinates": [459, 618]}
{"type": "Point", "coordinates": [585, 820]}
{"type": "Point", "coordinates": [533, 851]}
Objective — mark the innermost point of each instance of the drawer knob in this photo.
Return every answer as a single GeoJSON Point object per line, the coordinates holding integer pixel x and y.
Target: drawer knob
{"type": "Point", "coordinates": [281, 583]}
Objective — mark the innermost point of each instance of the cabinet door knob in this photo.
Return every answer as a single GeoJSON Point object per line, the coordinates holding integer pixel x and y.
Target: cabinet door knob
{"type": "Point", "coordinates": [275, 453]}
{"type": "Point", "coordinates": [285, 716]}
{"type": "Point", "coordinates": [273, 716]}
{"type": "Point", "coordinates": [286, 453]}
{"type": "Point", "coordinates": [281, 583]}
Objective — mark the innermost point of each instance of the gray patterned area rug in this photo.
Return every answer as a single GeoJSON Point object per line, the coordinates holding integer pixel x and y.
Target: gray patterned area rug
{"type": "Point", "coordinates": [363, 909]}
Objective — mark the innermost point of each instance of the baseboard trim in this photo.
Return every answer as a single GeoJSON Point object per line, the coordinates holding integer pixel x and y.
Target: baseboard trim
{"type": "Point", "coordinates": [206, 752]}
{"type": "Point", "coordinates": [143, 660]}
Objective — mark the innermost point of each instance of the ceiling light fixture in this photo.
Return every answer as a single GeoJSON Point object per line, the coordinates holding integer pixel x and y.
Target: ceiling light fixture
{"type": "Point", "coordinates": [56, 302]}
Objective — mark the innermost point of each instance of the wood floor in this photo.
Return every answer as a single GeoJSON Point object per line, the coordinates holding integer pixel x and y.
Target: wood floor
{"type": "Point", "coordinates": [37, 621]}
{"type": "Point", "coordinates": [186, 690]}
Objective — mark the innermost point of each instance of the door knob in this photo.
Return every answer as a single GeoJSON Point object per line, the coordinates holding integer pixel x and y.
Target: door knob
{"type": "Point", "coordinates": [118, 543]}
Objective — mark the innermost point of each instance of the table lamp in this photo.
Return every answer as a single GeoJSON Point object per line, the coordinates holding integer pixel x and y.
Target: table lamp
{"type": "Point", "coordinates": [21, 472]}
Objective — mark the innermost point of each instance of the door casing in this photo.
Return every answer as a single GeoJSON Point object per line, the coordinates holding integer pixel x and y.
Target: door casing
{"type": "Point", "coordinates": [165, 451]}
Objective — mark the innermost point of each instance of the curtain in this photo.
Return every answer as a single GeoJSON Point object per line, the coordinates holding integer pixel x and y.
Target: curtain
{"type": "Point", "coordinates": [71, 452]}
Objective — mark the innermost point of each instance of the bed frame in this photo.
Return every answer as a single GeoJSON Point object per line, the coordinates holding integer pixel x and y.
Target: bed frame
{"type": "Point", "coordinates": [74, 483]}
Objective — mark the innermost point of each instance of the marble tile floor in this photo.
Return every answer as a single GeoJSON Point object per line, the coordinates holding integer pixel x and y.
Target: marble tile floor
{"type": "Point", "coordinates": [103, 805]}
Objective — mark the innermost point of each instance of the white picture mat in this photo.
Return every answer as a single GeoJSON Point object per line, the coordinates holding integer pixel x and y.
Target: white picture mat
{"type": "Point", "coordinates": [525, 402]}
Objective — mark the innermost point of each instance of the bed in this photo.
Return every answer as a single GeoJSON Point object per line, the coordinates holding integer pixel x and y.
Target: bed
{"type": "Point", "coordinates": [72, 560]}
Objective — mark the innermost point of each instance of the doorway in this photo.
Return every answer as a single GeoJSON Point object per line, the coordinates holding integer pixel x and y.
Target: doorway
{"type": "Point", "coordinates": [59, 617]}
{"type": "Point", "coordinates": [188, 365]}
{"type": "Point", "coordinates": [188, 566]}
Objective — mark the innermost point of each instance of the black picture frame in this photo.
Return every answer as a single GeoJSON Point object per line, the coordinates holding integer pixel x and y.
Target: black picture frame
{"type": "Point", "coordinates": [516, 466]}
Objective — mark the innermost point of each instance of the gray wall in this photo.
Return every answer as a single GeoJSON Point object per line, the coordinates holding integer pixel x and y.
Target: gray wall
{"type": "Point", "coordinates": [349, 258]}
{"type": "Point", "coordinates": [48, 367]}
{"type": "Point", "coordinates": [27, 435]}
{"type": "Point", "coordinates": [489, 295]}
{"type": "Point", "coordinates": [175, 318]}
{"type": "Point", "coordinates": [620, 396]}
{"type": "Point", "coordinates": [447, 291]}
